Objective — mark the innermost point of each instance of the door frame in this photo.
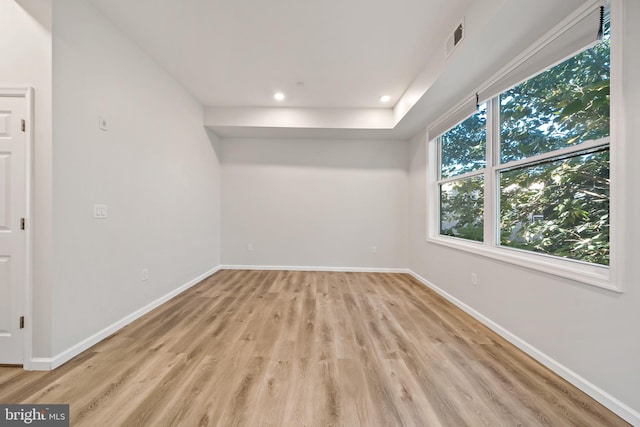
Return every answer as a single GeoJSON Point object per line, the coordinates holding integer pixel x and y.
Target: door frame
{"type": "Point", "coordinates": [27, 308]}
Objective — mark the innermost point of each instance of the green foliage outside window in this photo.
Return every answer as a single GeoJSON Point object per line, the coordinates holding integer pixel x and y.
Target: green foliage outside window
{"type": "Point", "coordinates": [559, 205]}
{"type": "Point", "coordinates": [561, 107]}
{"type": "Point", "coordinates": [463, 148]}
{"type": "Point", "coordinates": [462, 151]}
{"type": "Point", "coordinates": [559, 208]}
{"type": "Point", "coordinates": [467, 223]}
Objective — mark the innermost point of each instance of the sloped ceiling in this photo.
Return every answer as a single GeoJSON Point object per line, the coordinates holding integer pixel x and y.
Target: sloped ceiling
{"type": "Point", "coordinates": [332, 59]}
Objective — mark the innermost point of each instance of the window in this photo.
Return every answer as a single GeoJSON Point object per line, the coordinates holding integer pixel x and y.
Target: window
{"type": "Point", "coordinates": [461, 184]}
{"type": "Point", "coordinates": [553, 172]}
{"type": "Point", "coordinates": [529, 170]}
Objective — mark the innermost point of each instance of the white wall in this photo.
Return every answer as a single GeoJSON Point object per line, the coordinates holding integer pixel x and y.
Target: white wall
{"type": "Point", "coordinates": [156, 169]}
{"type": "Point", "coordinates": [301, 203]}
{"type": "Point", "coordinates": [314, 203]}
{"type": "Point", "coordinates": [25, 45]}
{"type": "Point", "coordinates": [591, 331]}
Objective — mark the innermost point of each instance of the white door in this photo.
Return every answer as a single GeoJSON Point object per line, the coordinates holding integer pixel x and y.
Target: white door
{"type": "Point", "coordinates": [13, 208]}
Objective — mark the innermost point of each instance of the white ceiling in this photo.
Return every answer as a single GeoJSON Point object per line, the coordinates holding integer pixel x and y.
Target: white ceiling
{"type": "Point", "coordinates": [239, 52]}
{"type": "Point", "coordinates": [233, 55]}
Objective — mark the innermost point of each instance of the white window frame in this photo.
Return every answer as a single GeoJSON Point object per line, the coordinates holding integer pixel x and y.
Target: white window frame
{"type": "Point", "coordinates": [482, 172]}
{"type": "Point", "coordinates": [607, 277]}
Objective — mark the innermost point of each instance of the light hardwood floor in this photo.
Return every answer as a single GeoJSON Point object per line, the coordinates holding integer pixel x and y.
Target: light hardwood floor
{"type": "Point", "coordinates": [283, 348]}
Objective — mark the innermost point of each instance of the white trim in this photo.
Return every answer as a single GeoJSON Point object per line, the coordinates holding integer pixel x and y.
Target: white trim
{"type": "Point", "coordinates": [624, 411]}
{"type": "Point", "coordinates": [28, 311]}
{"type": "Point", "coordinates": [590, 274]}
{"type": "Point", "coordinates": [40, 364]}
{"type": "Point", "coordinates": [619, 191]}
{"type": "Point", "coordinates": [453, 117]}
{"type": "Point", "coordinates": [65, 356]}
{"type": "Point", "coordinates": [433, 190]}
{"type": "Point", "coordinates": [605, 277]}
{"type": "Point", "coordinates": [550, 156]}
{"type": "Point", "coordinates": [28, 94]}
{"type": "Point", "coordinates": [16, 92]}
{"type": "Point", "coordinates": [530, 63]}
{"type": "Point", "coordinates": [314, 268]}
{"type": "Point", "coordinates": [462, 177]}
{"type": "Point", "coordinates": [491, 198]}
{"type": "Point", "coordinates": [45, 364]}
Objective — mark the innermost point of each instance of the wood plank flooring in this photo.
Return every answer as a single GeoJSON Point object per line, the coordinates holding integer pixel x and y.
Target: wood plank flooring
{"type": "Point", "coordinates": [282, 348]}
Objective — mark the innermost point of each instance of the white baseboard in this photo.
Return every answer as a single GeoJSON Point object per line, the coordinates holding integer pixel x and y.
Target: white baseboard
{"type": "Point", "coordinates": [614, 405]}
{"type": "Point", "coordinates": [45, 364]}
{"type": "Point", "coordinates": [39, 364]}
{"type": "Point", "coordinates": [315, 268]}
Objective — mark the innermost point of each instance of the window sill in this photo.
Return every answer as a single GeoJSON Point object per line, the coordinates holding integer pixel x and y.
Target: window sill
{"type": "Point", "coordinates": [586, 273]}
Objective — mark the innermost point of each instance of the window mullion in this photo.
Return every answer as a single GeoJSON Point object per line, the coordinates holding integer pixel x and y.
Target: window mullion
{"type": "Point", "coordinates": [490, 202]}
{"type": "Point", "coordinates": [572, 151]}
{"type": "Point", "coordinates": [462, 177]}
{"type": "Point", "coordinates": [439, 159]}
{"type": "Point", "coordinates": [433, 201]}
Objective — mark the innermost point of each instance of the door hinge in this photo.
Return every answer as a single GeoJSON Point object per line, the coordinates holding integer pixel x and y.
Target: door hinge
{"type": "Point", "coordinates": [21, 322]}
{"type": "Point", "coordinates": [24, 125]}
{"type": "Point", "coordinates": [23, 224]}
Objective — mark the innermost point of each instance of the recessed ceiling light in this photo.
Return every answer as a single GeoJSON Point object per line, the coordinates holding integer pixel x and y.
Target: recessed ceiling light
{"type": "Point", "coordinates": [385, 98]}
{"type": "Point", "coordinates": [279, 96]}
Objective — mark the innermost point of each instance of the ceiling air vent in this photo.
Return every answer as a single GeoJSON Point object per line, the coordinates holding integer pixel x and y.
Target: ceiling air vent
{"type": "Point", "coordinates": [455, 38]}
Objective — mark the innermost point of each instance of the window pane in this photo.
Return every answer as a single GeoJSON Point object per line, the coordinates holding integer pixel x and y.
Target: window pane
{"type": "Point", "coordinates": [562, 107]}
{"type": "Point", "coordinates": [462, 208]}
{"type": "Point", "coordinates": [462, 149]}
{"type": "Point", "coordinates": [559, 208]}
